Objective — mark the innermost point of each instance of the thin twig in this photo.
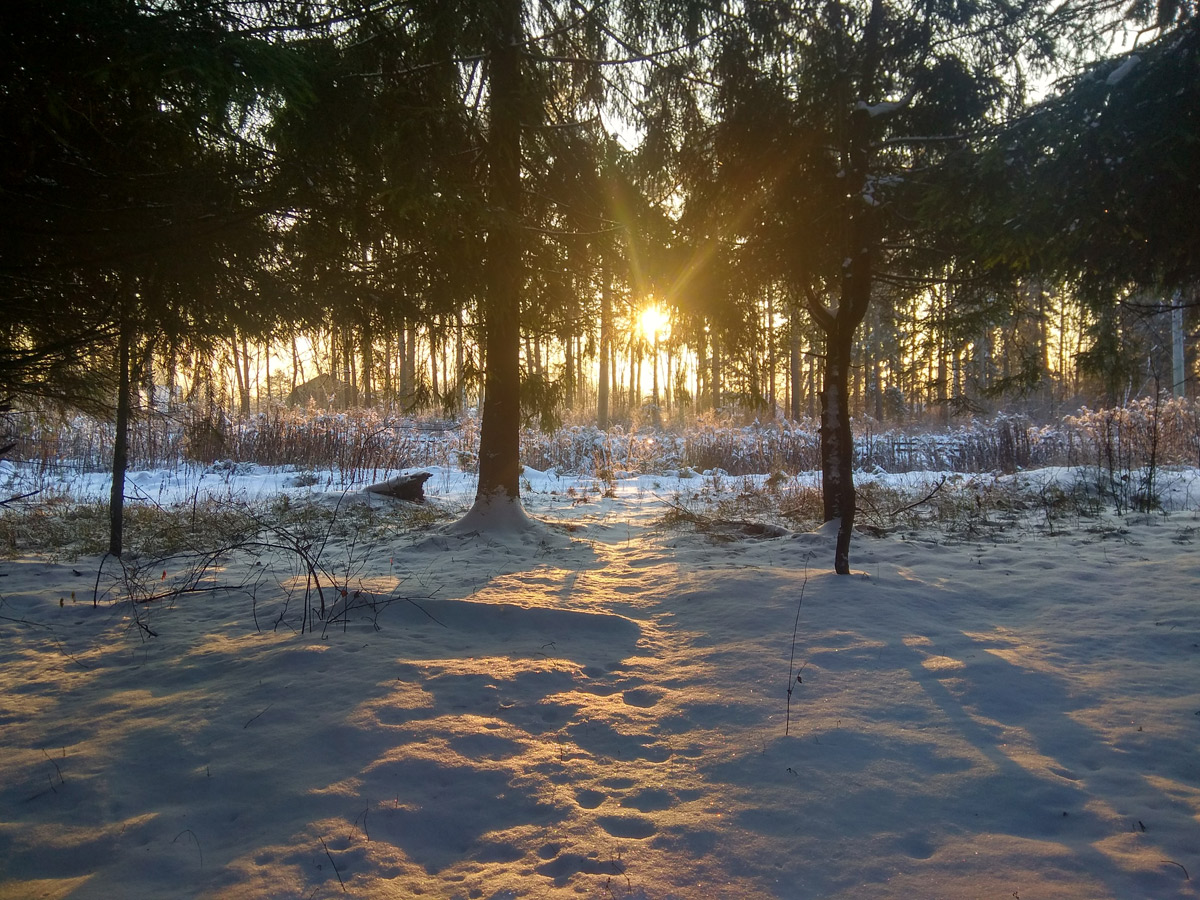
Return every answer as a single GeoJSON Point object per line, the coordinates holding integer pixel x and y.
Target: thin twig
{"type": "Point", "coordinates": [26, 622]}
{"type": "Point", "coordinates": [423, 609]}
{"type": "Point", "coordinates": [332, 863]}
{"type": "Point", "coordinates": [61, 780]}
{"type": "Point", "coordinates": [247, 725]}
{"type": "Point", "coordinates": [20, 497]}
{"type": "Point", "coordinates": [96, 586]}
{"type": "Point", "coordinates": [792, 674]}
{"type": "Point", "coordinates": [194, 838]}
{"type": "Point", "coordinates": [1186, 876]}
{"type": "Point", "coordinates": [937, 487]}
{"type": "Point", "coordinates": [363, 815]}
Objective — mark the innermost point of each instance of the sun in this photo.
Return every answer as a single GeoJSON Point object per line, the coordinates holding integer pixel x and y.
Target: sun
{"type": "Point", "coordinates": [654, 322]}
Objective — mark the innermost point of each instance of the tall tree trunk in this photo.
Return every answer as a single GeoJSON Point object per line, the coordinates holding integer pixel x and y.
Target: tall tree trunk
{"type": "Point", "coordinates": [636, 395]}
{"type": "Point", "coordinates": [633, 386]}
{"type": "Point", "coordinates": [943, 348]}
{"type": "Point", "coordinates": [811, 392]}
{"type": "Point", "coordinates": [956, 378]}
{"type": "Point", "coordinates": [388, 388]}
{"type": "Point", "coordinates": [433, 363]}
{"type": "Point", "coordinates": [569, 371]}
{"type": "Point", "coordinates": [368, 364]}
{"type": "Point", "coordinates": [655, 400]}
{"type": "Point", "coordinates": [794, 348]}
{"type": "Point", "coordinates": [333, 354]}
{"type": "Point", "coordinates": [404, 382]}
{"type": "Point", "coordinates": [443, 349]}
{"type": "Point", "coordinates": [837, 440]}
{"type": "Point", "coordinates": [1045, 388]}
{"type": "Point", "coordinates": [172, 375]}
{"type": "Point", "coordinates": [1062, 348]}
{"type": "Point", "coordinates": [349, 378]}
{"type": "Point", "coordinates": [116, 497]}
{"type": "Point", "coordinates": [877, 387]}
{"type": "Point", "coordinates": [715, 379]}
{"type": "Point", "coordinates": [837, 447]}
{"type": "Point", "coordinates": [667, 379]}
{"type": "Point", "coordinates": [245, 377]}
{"type": "Point", "coordinates": [297, 366]}
{"type": "Point", "coordinates": [460, 360]}
{"type": "Point", "coordinates": [771, 349]}
{"type": "Point", "coordinates": [410, 363]}
{"type": "Point", "coordinates": [1178, 347]}
{"type": "Point", "coordinates": [241, 372]}
{"type": "Point", "coordinates": [499, 438]}
{"type": "Point", "coordinates": [144, 375]}
{"type": "Point", "coordinates": [602, 385]}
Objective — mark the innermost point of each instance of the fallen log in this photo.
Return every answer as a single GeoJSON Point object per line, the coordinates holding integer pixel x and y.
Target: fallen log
{"type": "Point", "coordinates": [403, 487]}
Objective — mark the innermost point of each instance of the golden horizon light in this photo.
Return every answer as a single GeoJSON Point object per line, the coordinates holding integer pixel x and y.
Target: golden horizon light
{"type": "Point", "coordinates": [654, 322]}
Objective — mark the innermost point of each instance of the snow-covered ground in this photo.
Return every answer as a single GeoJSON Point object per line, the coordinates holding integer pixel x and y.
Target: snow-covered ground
{"type": "Point", "coordinates": [600, 708]}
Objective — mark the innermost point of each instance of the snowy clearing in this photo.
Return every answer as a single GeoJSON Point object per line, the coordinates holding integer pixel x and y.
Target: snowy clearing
{"type": "Point", "coordinates": [599, 708]}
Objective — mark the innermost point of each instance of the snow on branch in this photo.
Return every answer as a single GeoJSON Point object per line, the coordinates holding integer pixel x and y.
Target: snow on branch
{"type": "Point", "coordinates": [885, 107]}
{"type": "Point", "coordinates": [1117, 75]}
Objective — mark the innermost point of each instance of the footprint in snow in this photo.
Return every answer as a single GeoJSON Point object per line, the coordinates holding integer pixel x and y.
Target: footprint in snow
{"type": "Point", "coordinates": [641, 697]}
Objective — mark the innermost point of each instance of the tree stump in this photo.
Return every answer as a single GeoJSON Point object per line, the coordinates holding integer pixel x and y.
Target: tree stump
{"type": "Point", "coordinates": [403, 487]}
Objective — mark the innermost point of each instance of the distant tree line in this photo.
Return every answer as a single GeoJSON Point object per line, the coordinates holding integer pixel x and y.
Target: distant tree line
{"type": "Point", "coordinates": [847, 207]}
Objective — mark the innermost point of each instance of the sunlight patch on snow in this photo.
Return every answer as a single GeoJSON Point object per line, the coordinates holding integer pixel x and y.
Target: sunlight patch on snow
{"type": "Point", "coordinates": [941, 664]}
{"type": "Point", "coordinates": [43, 888]}
{"type": "Point", "coordinates": [605, 717]}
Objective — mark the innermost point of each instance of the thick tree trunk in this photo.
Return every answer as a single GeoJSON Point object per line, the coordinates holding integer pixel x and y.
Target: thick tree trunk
{"type": "Point", "coordinates": [840, 324]}
{"type": "Point", "coordinates": [837, 447]}
{"type": "Point", "coordinates": [1178, 347]}
{"type": "Point", "coordinates": [116, 497]}
{"type": "Point", "coordinates": [499, 438]}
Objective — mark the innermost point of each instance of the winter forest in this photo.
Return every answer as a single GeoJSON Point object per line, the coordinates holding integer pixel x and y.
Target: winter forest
{"type": "Point", "coordinates": [608, 448]}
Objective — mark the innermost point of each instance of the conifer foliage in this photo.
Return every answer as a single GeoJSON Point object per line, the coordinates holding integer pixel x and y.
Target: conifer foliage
{"type": "Point", "coordinates": [858, 185]}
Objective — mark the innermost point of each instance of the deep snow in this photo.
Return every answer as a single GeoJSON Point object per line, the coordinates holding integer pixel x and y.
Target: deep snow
{"type": "Point", "coordinates": [597, 708]}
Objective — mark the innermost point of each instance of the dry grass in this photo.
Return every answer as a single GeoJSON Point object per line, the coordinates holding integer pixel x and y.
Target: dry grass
{"type": "Point", "coordinates": [360, 444]}
{"type": "Point", "coordinates": [960, 508]}
{"type": "Point", "coordinates": [65, 529]}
